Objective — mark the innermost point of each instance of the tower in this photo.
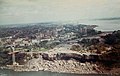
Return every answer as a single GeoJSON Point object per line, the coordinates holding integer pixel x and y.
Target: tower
{"type": "Point", "coordinates": [13, 55]}
{"type": "Point", "coordinates": [85, 30]}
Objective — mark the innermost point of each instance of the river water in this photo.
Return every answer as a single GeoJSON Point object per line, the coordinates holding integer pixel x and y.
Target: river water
{"type": "Point", "coordinates": [40, 73]}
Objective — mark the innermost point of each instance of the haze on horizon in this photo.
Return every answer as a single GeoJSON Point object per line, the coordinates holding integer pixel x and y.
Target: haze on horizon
{"type": "Point", "coordinates": [31, 11]}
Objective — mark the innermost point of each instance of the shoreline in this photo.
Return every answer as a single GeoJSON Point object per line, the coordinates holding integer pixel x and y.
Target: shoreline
{"type": "Point", "coordinates": [59, 66]}
{"type": "Point", "coordinates": [63, 72]}
{"type": "Point", "coordinates": [60, 62]}
{"type": "Point", "coordinates": [98, 74]}
{"type": "Point", "coordinates": [78, 68]}
{"type": "Point", "coordinates": [70, 66]}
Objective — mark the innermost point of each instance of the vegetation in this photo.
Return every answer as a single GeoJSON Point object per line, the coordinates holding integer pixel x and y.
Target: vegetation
{"type": "Point", "coordinates": [113, 38]}
{"type": "Point", "coordinates": [89, 42]}
{"type": "Point", "coordinates": [114, 41]}
{"type": "Point", "coordinates": [75, 48]}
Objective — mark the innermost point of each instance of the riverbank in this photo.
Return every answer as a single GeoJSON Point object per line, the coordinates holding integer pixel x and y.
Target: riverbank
{"type": "Point", "coordinates": [43, 73]}
{"type": "Point", "coordinates": [61, 66]}
{"type": "Point", "coordinates": [60, 61]}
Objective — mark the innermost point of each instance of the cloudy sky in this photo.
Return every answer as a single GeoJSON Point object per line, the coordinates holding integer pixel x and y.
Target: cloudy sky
{"type": "Point", "coordinates": [31, 11]}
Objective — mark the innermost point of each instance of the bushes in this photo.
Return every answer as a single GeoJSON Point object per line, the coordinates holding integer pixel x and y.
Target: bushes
{"type": "Point", "coordinates": [113, 55]}
{"type": "Point", "coordinates": [88, 42]}
{"type": "Point", "coordinates": [76, 48]}
{"type": "Point", "coordinates": [113, 38]}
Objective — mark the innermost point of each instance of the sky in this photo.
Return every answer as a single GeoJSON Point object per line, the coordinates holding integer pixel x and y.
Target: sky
{"type": "Point", "coordinates": [32, 11]}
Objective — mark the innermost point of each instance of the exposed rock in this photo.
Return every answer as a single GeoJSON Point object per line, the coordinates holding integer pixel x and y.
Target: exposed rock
{"type": "Point", "coordinates": [58, 62]}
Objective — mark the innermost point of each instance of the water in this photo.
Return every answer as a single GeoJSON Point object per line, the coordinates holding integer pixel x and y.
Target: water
{"type": "Point", "coordinates": [40, 73]}
{"type": "Point", "coordinates": [104, 25]}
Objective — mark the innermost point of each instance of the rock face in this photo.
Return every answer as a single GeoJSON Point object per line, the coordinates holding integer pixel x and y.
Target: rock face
{"type": "Point", "coordinates": [68, 56]}
{"type": "Point", "coordinates": [6, 58]}
{"type": "Point", "coordinates": [64, 66]}
{"type": "Point", "coordinates": [20, 57]}
{"type": "Point", "coordinates": [56, 62]}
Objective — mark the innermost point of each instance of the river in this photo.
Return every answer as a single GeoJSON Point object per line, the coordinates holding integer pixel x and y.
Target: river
{"type": "Point", "coordinates": [40, 73]}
